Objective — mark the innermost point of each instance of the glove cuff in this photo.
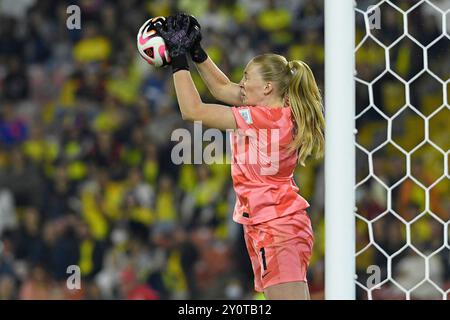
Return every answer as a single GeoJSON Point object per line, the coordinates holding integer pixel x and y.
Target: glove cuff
{"type": "Point", "coordinates": [198, 55]}
{"type": "Point", "coordinates": [179, 63]}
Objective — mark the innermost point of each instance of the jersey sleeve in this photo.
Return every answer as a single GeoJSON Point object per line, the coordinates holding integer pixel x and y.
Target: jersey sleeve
{"type": "Point", "coordinates": [251, 118]}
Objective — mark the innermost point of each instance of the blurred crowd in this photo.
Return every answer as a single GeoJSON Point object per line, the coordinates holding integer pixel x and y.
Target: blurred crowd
{"type": "Point", "coordinates": [86, 177]}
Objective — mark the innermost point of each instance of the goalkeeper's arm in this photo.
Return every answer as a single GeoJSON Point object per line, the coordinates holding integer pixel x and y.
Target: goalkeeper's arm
{"type": "Point", "coordinates": [193, 109]}
{"type": "Point", "coordinates": [218, 83]}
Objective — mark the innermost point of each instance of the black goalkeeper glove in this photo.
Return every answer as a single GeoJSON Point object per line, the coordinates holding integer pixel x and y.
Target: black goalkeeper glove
{"type": "Point", "coordinates": [178, 40]}
{"type": "Point", "coordinates": [198, 55]}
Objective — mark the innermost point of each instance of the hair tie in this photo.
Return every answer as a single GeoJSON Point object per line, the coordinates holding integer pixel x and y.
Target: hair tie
{"type": "Point", "coordinates": [292, 69]}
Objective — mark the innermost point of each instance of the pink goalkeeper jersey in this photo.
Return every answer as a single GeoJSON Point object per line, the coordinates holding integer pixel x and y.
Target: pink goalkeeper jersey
{"type": "Point", "coordinates": [262, 167]}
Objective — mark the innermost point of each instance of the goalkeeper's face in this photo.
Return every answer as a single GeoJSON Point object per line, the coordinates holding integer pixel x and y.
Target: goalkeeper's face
{"type": "Point", "coordinates": [253, 87]}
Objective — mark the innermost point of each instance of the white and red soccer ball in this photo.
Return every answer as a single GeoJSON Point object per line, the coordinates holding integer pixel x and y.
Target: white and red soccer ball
{"type": "Point", "coordinates": [151, 46]}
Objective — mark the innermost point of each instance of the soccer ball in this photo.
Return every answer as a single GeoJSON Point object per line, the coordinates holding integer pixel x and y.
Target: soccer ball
{"type": "Point", "coordinates": [151, 46]}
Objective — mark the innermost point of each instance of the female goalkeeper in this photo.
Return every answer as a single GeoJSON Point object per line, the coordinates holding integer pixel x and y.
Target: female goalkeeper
{"type": "Point", "coordinates": [276, 106]}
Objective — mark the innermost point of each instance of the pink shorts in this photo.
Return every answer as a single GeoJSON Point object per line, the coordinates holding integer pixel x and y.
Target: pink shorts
{"type": "Point", "coordinates": [280, 249]}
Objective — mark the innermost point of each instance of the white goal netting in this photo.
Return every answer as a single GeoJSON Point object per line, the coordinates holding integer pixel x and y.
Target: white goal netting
{"type": "Point", "coordinates": [402, 149]}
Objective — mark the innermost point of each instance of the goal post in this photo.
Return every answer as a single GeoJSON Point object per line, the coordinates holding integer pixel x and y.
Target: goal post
{"type": "Point", "coordinates": [339, 150]}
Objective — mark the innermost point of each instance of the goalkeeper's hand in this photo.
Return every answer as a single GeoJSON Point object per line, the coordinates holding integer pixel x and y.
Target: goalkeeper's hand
{"type": "Point", "coordinates": [198, 55]}
{"type": "Point", "coordinates": [176, 34]}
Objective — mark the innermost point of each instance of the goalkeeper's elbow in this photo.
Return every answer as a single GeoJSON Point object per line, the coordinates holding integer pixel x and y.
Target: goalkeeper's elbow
{"type": "Point", "coordinates": [190, 113]}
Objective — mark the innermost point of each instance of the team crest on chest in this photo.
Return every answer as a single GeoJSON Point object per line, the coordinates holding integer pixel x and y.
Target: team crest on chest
{"type": "Point", "coordinates": [246, 115]}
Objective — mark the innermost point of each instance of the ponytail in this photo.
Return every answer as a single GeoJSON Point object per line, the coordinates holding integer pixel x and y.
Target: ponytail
{"type": "Point", "coordinates": [296, 84]}
{"type": "Point", "coordinates": [306, 106]}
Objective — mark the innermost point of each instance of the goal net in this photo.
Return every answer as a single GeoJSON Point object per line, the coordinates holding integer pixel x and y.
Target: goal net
{"type": "Point", "coordinates": [402, 139]}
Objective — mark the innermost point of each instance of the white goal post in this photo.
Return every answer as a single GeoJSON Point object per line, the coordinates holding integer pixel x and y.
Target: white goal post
{"type": "Point", "coordinates": [342, 146]}
{"type": "Point", "coordinates": [339, 149]}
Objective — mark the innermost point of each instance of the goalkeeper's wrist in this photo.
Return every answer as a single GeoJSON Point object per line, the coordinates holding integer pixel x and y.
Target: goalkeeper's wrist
{"type": "Point", "coordinates": [198, 55]}
{"type": "Point", "coordinates": [179, 63]}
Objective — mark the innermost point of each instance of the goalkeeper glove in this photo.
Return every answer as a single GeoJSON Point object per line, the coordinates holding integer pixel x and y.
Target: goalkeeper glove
{"type": "Point", "coordinates": [198, 55]}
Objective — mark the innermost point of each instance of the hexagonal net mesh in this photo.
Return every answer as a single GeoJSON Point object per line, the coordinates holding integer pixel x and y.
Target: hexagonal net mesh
{"type": "Point", "coordinates": [402, 149]}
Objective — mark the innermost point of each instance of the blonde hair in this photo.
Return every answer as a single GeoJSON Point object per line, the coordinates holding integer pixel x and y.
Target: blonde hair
{"type": "Point", "coordinates": [295, 82]}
